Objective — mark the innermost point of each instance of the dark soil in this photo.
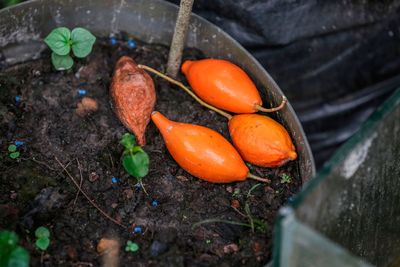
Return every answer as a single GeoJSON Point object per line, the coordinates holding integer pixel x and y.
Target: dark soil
{"type": "Point", "coordinates": [36, 192]}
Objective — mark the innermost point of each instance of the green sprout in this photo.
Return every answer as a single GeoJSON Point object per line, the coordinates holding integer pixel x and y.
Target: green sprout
{"type": "Point", "coordinates": [42, 238]}
{"type": "Point", "coordinates": [14, 154]}
{"type": "Point", "coordinates": [236, 192]}
{"type": "Point", "coordinates": [134, 159]}
{"type": "Point", "coordinates": [11, 254]}
{"type": "Point", "coordinates": [286, 179]}
{"type": "Point", "coordinates": [131, 246]}
{"type": "Point", "coordinates": [255, 224]}
{"type": "Point", "coordinates": [61, 41]}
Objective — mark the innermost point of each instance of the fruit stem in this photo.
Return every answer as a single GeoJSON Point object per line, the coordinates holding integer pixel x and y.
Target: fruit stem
{"type": "Point", "coordinates": [283, 103]}
{"type": "Point", "coordinates": [255, 177]}
{"type": "Point", "coordinates": [186, 89]}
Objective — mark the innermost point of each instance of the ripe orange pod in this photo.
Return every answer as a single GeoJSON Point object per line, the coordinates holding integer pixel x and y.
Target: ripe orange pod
{"type": "Point", "coordinates": [224, 85]}
{"type": "Point", "coordinates": [133, 94]}
{"type": "Point", "coordinates": [261, 140]}
{"type": "Point", "coordinates": [202, 152]}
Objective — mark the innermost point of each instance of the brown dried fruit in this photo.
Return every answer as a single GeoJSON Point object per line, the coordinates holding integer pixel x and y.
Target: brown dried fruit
{"type": "Point", "coordinates": [133, 94]}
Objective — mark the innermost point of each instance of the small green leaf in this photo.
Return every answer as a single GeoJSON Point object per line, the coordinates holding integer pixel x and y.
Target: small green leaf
{"type": "Point", "coordinates": [12, 148]}
{"type": "Point", "coordinates": [82, 42]}
{"type": "Point", "coordinates": [131, 246]}
{"type": "Point", "coordinates": [19, 258]}
{"type": "Point", "coordinates": [14, 155]}
{"type": "Point", "coordinates": [59, 41]}
{"type": "Point", "coordinates": [137, 164]}
{"type": "Point", "coordinates": [43, 243]}
{"type": "Point", "coordinates": [128, 141]}
{"type": "Point", "coordinates": [286, 179]}
{"type": "Point", "coordinates": [8, 238]}
{"type": "Point", "coordinates": [61, 62]}
{"type": "Point", "coordinates": [42, 232]}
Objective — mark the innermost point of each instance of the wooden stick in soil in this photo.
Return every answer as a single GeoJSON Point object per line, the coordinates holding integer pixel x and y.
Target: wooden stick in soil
{"type": "Point", "coordinates": [178, 40]}
{"type": "Point", "coordinates": [88, 198]}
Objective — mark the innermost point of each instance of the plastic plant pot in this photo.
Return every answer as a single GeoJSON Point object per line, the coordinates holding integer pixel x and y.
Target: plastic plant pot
{"type": "Point", "coordinates": [348, 215]}
{"type": "Point", "coordinates": [23, 27]}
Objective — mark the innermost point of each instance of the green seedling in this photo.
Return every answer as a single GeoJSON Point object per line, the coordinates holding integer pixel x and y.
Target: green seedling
{"type": "Point", "coordinates": [14, 154]}
{"type": "Point", "coordinates": [134, 159]}
{"type": "Point", "coordinates": [254, 224]}
{"type": "Point", "coordinates": [286, 179]}
{"type": "Point", "coordinates": [11, 254]}
{"type": "Point", "coordinates": [236, 192]}
{"type": "Point", "coordinates": [42, 238]}
{"type": "Point", "coordinates": [62, 41]}
{"type": "Point", "coordinates": [131, 246]}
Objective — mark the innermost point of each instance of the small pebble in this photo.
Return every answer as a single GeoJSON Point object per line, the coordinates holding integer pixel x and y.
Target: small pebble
{"type": "Point", "coordinates": [113, 40]}
{"type": "Point", "coordinates": [13, 195]}
{"type": "Point", "coordinates": [137, 229]}
{"type": "Point", "coordinates": [235, 203]}
{"type": "Point", "coordinates": [17, 98]}
{"type": "Point", "coordinates": [93, 177]}
{"type": "Point", "coordinates": [131, 43]}
{"type": "Point", "coordinates": [82, 91]}
{"type": "Point", "coordinates": [157, 248]}
{"type": "Point", "coordinates": [71, 252]}
{"type": "Point", "coordinates": [229, 189]}
{"type": "Point", "coordinates": [231, 248]}
{"type": "Point", "coordinates": [19, 143]}
{"type": "Point", "coordinates": [182, 178]}
{"type": "Point", "coordinates": [128, 193]}
{"type": "Point", "coordinates": [87, 105]}
{"type": "Point", "coordinates": [154, 203]}
{"type": "Point", "coordinates": [114, 180]}
{"type": "Point", "coordinates": [114, 205]}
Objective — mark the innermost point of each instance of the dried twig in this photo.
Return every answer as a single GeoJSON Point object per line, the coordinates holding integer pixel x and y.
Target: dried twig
{"type": "Point", "coordinates": [88, 198]}
{"type": "Point", "coordinates": [41, 163]}
{"type": "Point", "coordinates": [80, 183]}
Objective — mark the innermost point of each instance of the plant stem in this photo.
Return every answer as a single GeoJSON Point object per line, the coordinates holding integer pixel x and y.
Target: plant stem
{"type": "Point", "coordinates": [221, 221]}
{"type": "Point", "coordinates": [142, 185]}
{"type": "Point", "coordinates": [283, 103]}
{"type": "Point", "coordinates": [251, 189]}
{"type": "Point", "coordinates": [186, 89]}
{"type": "Point", "coordinates": [255, 177]}
{"type": "Point", "coordinates": [178, 40]}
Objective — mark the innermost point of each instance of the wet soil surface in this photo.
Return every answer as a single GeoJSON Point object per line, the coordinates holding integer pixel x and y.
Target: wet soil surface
{"type": "Point", "coordinates": [38, 107]}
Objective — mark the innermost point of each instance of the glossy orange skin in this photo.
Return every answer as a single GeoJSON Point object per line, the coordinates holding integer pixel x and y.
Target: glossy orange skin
{"type": "Point", "coordinates": [261, 140]}
{"type": "Point", "coordinates": [202, 152]}
{"type": "Point", "coordinates": [222, 84]}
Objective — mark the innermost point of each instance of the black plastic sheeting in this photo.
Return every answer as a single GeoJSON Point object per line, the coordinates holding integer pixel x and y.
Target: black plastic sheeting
{"type": "Point", "coordinates": [335, 60]}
